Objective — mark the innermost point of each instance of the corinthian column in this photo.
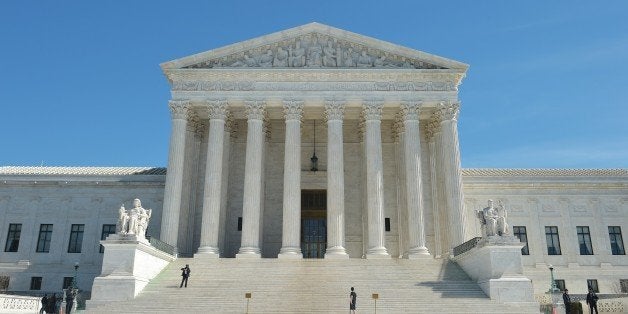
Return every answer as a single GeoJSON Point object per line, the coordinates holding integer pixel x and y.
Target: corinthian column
{"type": "Point", "coordinates": [414, 190]}
{"type": "Point", "coordinates": [374, 180]}
{"type": "Point", "coordinates": [174, 176]}
{"type": "Point", "coordinates": [251, 210]}
{"type": "Point", "coordinates": [334, 112]}
{"type": "Point", "coordinates": [210, 223]}
{"type": "Point", "coordinates": [448, 115]}
{"type": "Point", "coordinates": [430, 130]}
{"type": "Point", "coordinates": [291, 236]}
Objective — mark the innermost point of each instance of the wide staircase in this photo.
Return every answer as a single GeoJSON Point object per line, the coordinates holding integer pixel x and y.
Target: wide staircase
{"type": "Point", "coordinates": [312, 286]}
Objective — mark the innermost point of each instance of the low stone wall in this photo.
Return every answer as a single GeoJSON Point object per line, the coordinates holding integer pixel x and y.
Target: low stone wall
{"type": "Point", "coordinates": [19, 304]}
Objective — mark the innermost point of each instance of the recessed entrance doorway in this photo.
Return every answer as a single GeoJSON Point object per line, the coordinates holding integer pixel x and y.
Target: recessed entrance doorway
{"type": "Point", "coordinates": [313, 223]}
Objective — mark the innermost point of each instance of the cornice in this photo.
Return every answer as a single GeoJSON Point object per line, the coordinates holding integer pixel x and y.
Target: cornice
{"type": "Point", "coordinates": [486, 172]}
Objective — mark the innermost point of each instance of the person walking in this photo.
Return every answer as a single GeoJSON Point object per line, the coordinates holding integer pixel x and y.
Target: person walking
{"type": "Point", "coordinates": [185, 273]}
{"type": "Point", "coordinates": [592, 301]}
{"type": "Point", "coordinates": [567, 301]}
{"type": "Point", "coordinates": [352, 299]}
{"type": "Point", "coordinates": [44, 304]}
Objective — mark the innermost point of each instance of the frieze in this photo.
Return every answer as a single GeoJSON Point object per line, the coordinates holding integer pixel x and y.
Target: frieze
{"type": "Point", "coordinates": [312, 86]}
{"type": "Point", "coordinates": [314, 50]}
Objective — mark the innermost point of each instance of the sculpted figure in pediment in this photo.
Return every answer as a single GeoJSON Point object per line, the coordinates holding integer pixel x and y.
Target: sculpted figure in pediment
{"type": "Point", "coordinates": [246, 62]}
{"type": "Point", "coordinates": [281, 58]}
{"type": "Point", "coordinates": [329, 55]}
{"type": "Point", "coordinates": [266, 60]}
{"type": "Point", "coordinates": [297, 55]}
{"type": "Point", "coordinates": [314, 54]}
{"type": "Point", "coordinates": [348, 58]}
{"type": "Point", "coordinates": [364, 61]}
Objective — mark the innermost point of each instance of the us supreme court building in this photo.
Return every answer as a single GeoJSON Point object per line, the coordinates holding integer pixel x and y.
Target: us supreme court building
{"type": "Point", "coordinates": [315, 142]}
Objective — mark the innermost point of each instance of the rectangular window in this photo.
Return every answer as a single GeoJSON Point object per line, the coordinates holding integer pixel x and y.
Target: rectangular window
{"type": "Point", "coordinates": [76, 239]}
{"type": "Point", "coordinates": [13, 238]}
{"type": "Point", "coordinates": [106, 231]}
{"type": "Point", "coordinates": [67, 282]}
{"type": "Point", "coordinates": [239, 223]}
{"type": "Point", "coordinates": [45, 234]}
{"type": "Point", "coordinates": [520, 232]}
{"type": "Point", "coordinates": [623, 285]}
{"type": "Point", "coordinates": [592, 283]}
{"type": "Point", "coordinates": [560, 284]}
{"type": "Point", "coordinates": [552, 239]}
{"type": "Point", "coordinates": [35, 283]}
{"type": "Point", "coordinates": [584, 240]}
{"type": "Point", "coordinates": [387, 224]}
{"type": "Point", "coordinates": [617, 243]}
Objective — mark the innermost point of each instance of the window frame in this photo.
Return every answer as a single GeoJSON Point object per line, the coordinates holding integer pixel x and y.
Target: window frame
{"type": "Point", "coordinates": [593, 284]}
{"type": "Point", "coordinates": [615, 234]}
{"type": "Point", "coordinates": [584, 235]}
{"type": "Point", "coordinates": [560, 284]}
{"type": "Point", "coordinates": [551, 235]}
{"type": "Point", "coordinates": [36, 283]}
{"type": "Point", "coordinates": [75, 244]}
{"type": "Point", "coordinates": [525, 250]}
{"type": "Point", "coordinates": [104, 235]}
{"type": "Point", "coordinates": [68, 281]}
{"type": "Point", "coordinates": [13, 238]}
{"type": "Point", "coordinates": [44, 247]}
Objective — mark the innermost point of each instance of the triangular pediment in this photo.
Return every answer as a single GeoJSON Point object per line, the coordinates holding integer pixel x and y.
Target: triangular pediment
{"type": "Point", "coordinates": [314, 45]}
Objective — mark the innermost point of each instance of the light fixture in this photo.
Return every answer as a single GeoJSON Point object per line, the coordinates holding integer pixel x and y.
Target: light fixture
{"type": "Point", "coordinates": [314, 159]}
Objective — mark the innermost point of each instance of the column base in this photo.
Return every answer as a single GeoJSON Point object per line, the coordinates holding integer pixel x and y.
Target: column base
{"type": "Point", "coordinates": [418, 253]}
{"type": "Point", "coordinates": [377, 253]}
{"type": "Point", "coordinates": [336, 252]}
{"type": "Point", "coordinates": [290, 253]}
{"type": "Point", "coordinates": [249, 252]}
{"type": "Point", "coordinates": [207, 252]}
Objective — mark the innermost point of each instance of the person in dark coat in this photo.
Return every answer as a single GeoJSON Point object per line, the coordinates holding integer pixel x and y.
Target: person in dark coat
{"type": "Point", "coordinates": [52, 303]}
{"type": "Point", "coordinates": [592, 301]}
{"type": "Point", "coordinates": [185, 273]}
{"type": "Point", "coordinates": [566, 300]}
{"type": "Point", "coordinates": [352, 300]}
{"type": "Point", "coordinates": [44, 304]}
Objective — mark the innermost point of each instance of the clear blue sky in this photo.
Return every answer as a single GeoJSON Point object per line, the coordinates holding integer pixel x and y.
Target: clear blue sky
{"type": "Point", "coordinates": [80, 83]}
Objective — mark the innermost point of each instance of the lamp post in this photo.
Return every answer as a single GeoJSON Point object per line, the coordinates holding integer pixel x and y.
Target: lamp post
{"type": "Point", "coordinates": [553, 289]}
{"type": "Point", "coordinates": [76, 267]}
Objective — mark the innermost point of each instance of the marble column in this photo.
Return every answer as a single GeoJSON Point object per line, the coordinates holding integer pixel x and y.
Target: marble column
{"type": "Point", "coordinates": [251, 211]}
{"type": "Point", "coordinates": [212, 195]}
{"type": "Point", "coordinates": [430, 130]}
{"type": "Point", "coordinates": [402, 212]}
{"type": "Point", "coordinates": [440, 187]}
{"type": "Point", "coordinates": [374, 180]}
{"type": "Point", "coordinates": [448, 114]}
{"type": "Point", "coordinates": [414, 186]}
{"type": "Point", "coordinates": [174, 177]}
{"type": "Point", "coordinates": [291, 235]}
{"type": "Point", "coordinates": [334, 112]}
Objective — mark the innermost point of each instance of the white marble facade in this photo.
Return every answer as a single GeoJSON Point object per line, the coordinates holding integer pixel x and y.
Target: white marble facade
{"type": "Point", "coordinates": [242, 137]}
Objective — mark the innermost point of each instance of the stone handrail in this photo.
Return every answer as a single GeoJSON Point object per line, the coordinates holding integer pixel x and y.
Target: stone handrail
{"type": "Point", "coordinates": [465, 247]}
{"type": "Point", "coordinates": [19, 304]}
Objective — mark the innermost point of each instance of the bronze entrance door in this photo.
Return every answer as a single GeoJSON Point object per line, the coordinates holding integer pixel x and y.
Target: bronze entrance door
{"type": "Point", "coordinates": [313, 223]}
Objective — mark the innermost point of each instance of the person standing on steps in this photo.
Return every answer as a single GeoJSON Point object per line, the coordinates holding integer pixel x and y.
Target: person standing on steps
{"type": "Point", "coordinates": [185, 273]}
{"type": "Point", "coordinates": [566, 300]}
{"type": "Point", "coordinates": [352, 299]}
{"type": "Point", "coordinates": [592, 300]}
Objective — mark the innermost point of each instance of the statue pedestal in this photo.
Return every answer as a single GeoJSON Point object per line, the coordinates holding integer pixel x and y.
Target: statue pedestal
{"type": "Point", "coordinates": [495, 264]}
{"type": "Point", "coordinates": [129, 263]}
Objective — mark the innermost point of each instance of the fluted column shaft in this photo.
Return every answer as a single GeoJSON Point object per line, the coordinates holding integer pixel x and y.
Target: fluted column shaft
{"type": "Point", "coordinates": [436, 207]}
{"type": "Point", "coordinates": [210, 225]}
{"type": "Point", "coordinates": [251, 210]}
{"type": "Point", "coordinates": [448, 114]}
{"type": "Point", "coordinates": [291, 236]}
{"type": "Point", "coordinates": [334, 112]}
{"type": "Point", "coordinates": [174, 176]}
{"type": "Point", "coordinates": [374, 180]}
{"type": "Point", "coordinates": [414, 186]}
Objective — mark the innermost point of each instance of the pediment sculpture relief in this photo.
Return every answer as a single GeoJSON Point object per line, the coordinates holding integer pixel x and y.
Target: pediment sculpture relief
{"type": "Point", "coordinates": [314, 51]}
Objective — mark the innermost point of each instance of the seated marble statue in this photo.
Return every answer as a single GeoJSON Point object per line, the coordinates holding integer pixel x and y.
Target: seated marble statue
{"type": "Point", "coordinates": [502, 225]}
{"type": "Point", "coordinates": [281, 58]}
{"type": "Point", "coordinates": [133, 221]}
{"type": "Point", "coordinates": [489, 219]}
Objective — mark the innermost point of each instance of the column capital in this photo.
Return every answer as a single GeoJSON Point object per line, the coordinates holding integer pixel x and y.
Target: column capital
{"type": "Point", "coordinates": [179, 109]}
{"type": "Point", "coordinates": [398, 128]}
{"type": "Point", "coordinates": [255, 109]}
{"type": "Point", "coordinates": [293, 109]}
{"type": "Point", "coordinates": [447, 111]}
{"type": "Point", "coordinates": [409, 110]}
{"type": "Point", "coordinates": [218, 109]}
{"type": "Point", "coordinates": [372, 109]}
{"type": "Point", "coordinates": [192, 121]}
{"type": "Point", "coordinates": [334, 110]}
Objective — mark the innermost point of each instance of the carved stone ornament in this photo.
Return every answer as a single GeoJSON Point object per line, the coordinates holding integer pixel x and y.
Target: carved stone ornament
{"type": "Point", "coordinates": [372, 110]}
{"type": "Point", "coordinates": [334, 110]}
{"type": "Point", "coordinates": [431, 128]}
{"type": "Point", "coordinates": [179, 108]}
{"type": "Point", "coordinates": [255, 109]}
{"type": "Point", "coordinates": [218, 109]}
{"type": "Point", "coordinates": [293, 109]}
{"type": "Point", "coordinates": [409, 111]}
{"type": "Point", "coordinates": [448, 111]}
{"type": "Point", "coordinates": [314, 50]}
